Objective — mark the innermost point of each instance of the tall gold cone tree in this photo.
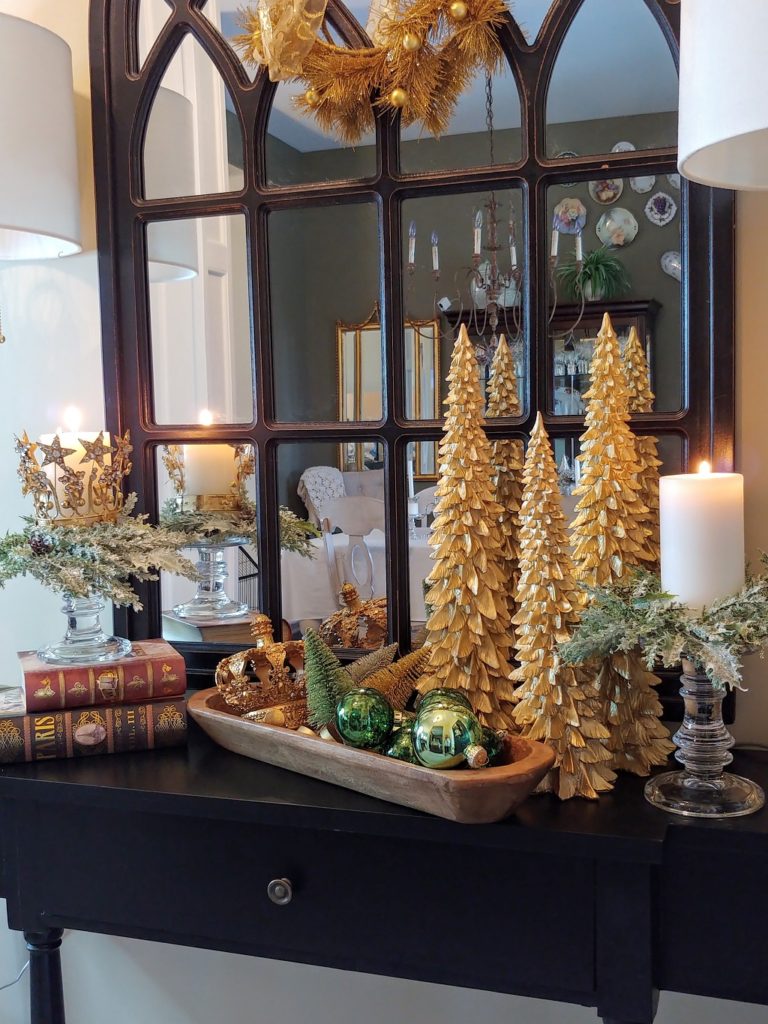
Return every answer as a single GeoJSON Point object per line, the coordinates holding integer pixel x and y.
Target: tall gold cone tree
{"type": "Point", "coordinates": [508, 456]}
{"type": "Point", "coordinates": [557, 702]}
{"type": "Point", "coordinates": [610, 531]}
{"type": "Point", "coordinates": [609, 535]}
{"type": "Point", "coordinates": [641, 400]}
{"type": "Point", "coordinates": [468, 630]}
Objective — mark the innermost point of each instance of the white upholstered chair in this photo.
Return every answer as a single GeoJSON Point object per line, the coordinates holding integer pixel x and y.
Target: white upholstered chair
{"type": "Point", "coordinates": [357, 517]}
{"type": "Point", "coordinates": [317, 486]}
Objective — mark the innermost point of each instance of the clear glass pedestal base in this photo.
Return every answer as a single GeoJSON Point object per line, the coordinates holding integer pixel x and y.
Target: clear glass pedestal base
{"type": "Point", "coordinates": [211, 601]}
{"type": "Point", "coordinates": [85, 642]}
{"type": "Point", "coordinates": [728, 796]}
{"type": "Point", "coordinates": [703, 789]}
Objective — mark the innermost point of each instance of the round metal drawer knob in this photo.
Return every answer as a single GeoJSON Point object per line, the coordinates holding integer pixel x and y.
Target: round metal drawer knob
{"type": "Point", "coordinates": [280, 891]}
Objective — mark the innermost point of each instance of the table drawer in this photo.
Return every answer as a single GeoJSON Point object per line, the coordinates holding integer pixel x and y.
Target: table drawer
{"type": "Point", "coordinates": [447, 913]}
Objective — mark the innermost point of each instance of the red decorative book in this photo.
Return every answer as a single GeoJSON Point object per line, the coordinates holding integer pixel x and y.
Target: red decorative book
{"type": "Point", "coordinates": [104, 730]}
{"type": "Point", "coordinates": [154, 669]}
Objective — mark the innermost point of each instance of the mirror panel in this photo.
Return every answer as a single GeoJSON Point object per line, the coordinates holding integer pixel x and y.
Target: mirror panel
{"type": "Point", "coordinates": [324, 270]}
{"type": "Point", "coordinates": [341, 489]}
{"type": "Point", "coordinates": [466, 141]}
{"type": "Point", "coordinates": [193, 144]}
{"type": "Point", "coordinates": [200, 326]}
{"type": "Point", "coordinates": [614, 85]}
{"type": "Point", "coordinates": [209, 492]}
{"type": "Point", "coordinates": [153, 15]}
{"type": "Point", "coordinates": [530, 15]}
{"type": "Point", "coordinates": [455, 234]}
{"type": "Point", "coordinates": [631, 243]}
{"type": "Point", "coordinates": [300, 151]}
{"type": "Point", "coordinates": [420, 511]}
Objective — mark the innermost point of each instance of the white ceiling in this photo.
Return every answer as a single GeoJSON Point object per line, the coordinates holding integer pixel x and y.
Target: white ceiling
{"type": "Point", "coordinates": [614, 62]}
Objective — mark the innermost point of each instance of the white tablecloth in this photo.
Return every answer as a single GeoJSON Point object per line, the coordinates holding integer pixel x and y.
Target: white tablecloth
{"type": "Point", "coordinates": [307, 592]}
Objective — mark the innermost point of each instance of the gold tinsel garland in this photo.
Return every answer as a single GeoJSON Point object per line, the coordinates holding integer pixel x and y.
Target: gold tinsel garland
{"type": "Point", "coordinates": [427, 58]}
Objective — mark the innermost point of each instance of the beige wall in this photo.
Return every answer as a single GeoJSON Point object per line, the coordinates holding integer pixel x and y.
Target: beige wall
{"type": "Point", "coordinates": [52, 358]}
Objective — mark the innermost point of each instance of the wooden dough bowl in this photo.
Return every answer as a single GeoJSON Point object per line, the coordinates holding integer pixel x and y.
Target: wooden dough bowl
{"type": "Point", "coordinates": [469, 796]}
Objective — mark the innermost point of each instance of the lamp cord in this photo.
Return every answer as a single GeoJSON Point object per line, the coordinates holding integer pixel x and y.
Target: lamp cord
{"type": "Point", "coordinates": [16, 979]}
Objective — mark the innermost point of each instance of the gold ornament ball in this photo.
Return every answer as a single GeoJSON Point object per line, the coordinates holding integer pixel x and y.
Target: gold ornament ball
{"type": "Point", "coordinates": [312, 98]}
{"type": "Point", "coordinates": [458, 10]}
{"type": "Point", "coordinates": [411, 41]}
{"type": "Point", "coordinates": [398, 98]}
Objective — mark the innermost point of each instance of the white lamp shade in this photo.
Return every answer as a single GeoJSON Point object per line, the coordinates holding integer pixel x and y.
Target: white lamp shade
{"type": "Point", "coordinates": [39, 190]}
{"type": "Point", "coordinates": [169, 171]}
{"type": "Point", "coordinates": [723, 120]}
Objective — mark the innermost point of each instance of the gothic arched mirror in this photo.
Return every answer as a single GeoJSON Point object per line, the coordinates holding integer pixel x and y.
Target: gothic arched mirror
{"type": "Point", "coordinates": [240, 240]}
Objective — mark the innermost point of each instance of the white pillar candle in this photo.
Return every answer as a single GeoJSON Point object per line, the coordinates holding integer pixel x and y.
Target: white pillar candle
{"type": "Point", "coordinates": [73, 438]}
{"type": "Point", "coordinates": [702, 535]}
{"type": "Point", "coordinates": [208, 468]}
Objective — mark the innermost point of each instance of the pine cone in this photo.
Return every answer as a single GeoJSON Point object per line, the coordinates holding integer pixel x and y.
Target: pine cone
{"type": "Point", "coordinates": [40, 543]}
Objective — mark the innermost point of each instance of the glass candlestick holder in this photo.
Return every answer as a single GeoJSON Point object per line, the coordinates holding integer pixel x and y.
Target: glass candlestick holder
{"type": "Point", "coordinates": [703, 789]}
{"type": "Point", "coordinates": [211, 600]}
{"type": "Point", "coordinates": [85, 642]}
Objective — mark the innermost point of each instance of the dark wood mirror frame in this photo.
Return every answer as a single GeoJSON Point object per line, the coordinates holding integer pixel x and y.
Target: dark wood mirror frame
{"type": "Point", "coordinates": [122, 98]}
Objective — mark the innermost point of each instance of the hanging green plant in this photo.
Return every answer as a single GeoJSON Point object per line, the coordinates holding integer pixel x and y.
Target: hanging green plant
{"type": "Point", "coordinates": [601, 275]}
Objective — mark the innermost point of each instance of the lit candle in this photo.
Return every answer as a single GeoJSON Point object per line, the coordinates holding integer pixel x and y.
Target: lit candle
{"type": "Point", "coordinates": [409, 466]}
{"type": "Point", "coordinates": [478, 233]}
{"type": "Point", "coordinates": [702, 535]}
{"type": "Point", "coordinates": [412, 242]}
{"type": "Point", "coordinates": [579, 253]}
{"type": "Point", "coordinates": [71, 441]}
{"type": "Point", "coordinates": [435, 255]}
{"type": "Point", "coordinates": [555, 241]}
{"type": "Point", "coordinates": [208, 468]}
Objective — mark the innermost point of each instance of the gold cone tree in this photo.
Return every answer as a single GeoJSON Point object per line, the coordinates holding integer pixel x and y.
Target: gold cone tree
{"type": "Point", "coordinates": [641, 400]}
{"type": "Point", "coordinates": [557, 703]}
{"type": "Point", "coordinates": [610, 532]}
{"type": "Point", "coordinates": [468, 630]}
{"type": "Point", "coordinates": [610, 535]}
{"type": "Point", "coordinates": [507, 457]}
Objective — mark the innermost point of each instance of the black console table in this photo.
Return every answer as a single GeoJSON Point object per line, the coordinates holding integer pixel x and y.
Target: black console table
{"type": "Point", "coordinates": [599, 904]}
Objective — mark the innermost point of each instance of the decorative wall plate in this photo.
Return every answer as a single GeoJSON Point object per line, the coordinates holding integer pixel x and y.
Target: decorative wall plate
{"type": "Point", "coordinates": [606, 190]}
{"type": "Point", "coordinates": [672, 263]}
{"type": "Point", "coordinates": [617, 227]}
{"type": "Point", "coordinates": [674, 181]}
{"type": "Point", "coordinates": [570, 216]}
{"type": "Point", "coordinates": [660, 209]}
{"type": "Point", "coordinates": [643, 184]}
{"type": "Point", "coordinates": [623, 147]}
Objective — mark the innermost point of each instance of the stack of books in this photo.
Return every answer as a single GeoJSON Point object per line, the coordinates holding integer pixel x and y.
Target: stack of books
{"type": "Point", "coordinates": [136, 703]}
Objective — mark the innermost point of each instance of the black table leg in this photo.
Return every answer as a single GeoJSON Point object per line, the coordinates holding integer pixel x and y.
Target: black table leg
{"type": "Point", "coordinates": [46, 990]}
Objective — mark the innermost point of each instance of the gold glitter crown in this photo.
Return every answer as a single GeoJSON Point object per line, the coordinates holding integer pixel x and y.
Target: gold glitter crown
{"type": "Point", "coordinates": [75, 493]}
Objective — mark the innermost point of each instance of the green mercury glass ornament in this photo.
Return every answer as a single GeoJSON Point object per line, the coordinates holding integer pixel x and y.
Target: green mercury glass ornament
{"type": "Point", "coordinates": [444, 695]}
{"type": "Point", "coordinates": [401, 745]}
{"type": "Point", "coordinates": [364, 718]}
{"type": "Point", "coordinates": [404, 718]}
{"type": "Point", "coordinates": [444, 737]}
{"type": "Point", "coordinates": [493, 741]}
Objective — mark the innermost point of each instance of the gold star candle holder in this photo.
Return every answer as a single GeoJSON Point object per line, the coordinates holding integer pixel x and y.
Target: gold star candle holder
{"type": "Point", "coordinates": [74, 479]}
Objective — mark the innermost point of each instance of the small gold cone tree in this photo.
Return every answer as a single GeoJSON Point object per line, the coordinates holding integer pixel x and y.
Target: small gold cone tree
{"type": "Point", "coordinates": [557, 702]}
{"type": "Point", "coordinates": [610, 532]}
{"type": "Point", "coordinates": [508, 455]}
{"type": "Point", "coordinates": [468, 630]}
{"type": "Point", "coordinates": [610, 535]}
{"type": "Point", "coordinates": [641, 400]}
